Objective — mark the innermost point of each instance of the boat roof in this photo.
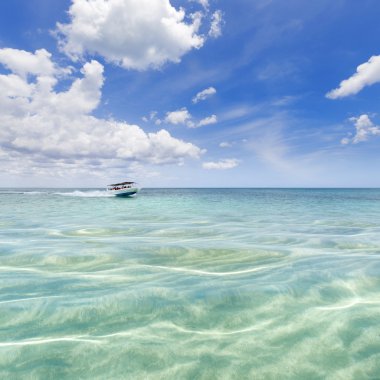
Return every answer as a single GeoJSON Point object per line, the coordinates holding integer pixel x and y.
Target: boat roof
{"type": "Point", "coordinates": [121, 183]}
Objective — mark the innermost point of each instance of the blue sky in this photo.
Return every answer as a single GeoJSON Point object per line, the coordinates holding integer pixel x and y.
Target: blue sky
{"type": "Point", "coordinates": [93, 92]}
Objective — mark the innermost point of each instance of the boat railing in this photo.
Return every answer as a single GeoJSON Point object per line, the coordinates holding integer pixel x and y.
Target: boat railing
{"type": "Point", "coordinates": [114, 188]}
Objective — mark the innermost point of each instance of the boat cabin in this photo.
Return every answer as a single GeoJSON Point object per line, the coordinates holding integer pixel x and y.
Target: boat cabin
{"type": "Point", "coordinates": [120, 186]}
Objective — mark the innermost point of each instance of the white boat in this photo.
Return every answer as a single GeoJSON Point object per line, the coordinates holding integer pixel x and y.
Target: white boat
{"type": "Point", "coordinates": [123, 189]}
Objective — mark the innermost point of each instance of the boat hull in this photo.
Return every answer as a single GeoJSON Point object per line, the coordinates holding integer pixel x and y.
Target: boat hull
{"type": "Point", "coordinates": [125, 192]}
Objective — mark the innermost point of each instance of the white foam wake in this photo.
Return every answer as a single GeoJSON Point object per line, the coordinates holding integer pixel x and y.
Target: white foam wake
{"type": "Point", "coordinates": [86, 194]}
{"type": "Point", "coordinates": [26, 192]}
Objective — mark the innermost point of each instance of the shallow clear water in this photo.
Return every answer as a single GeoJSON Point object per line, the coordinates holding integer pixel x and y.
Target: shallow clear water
{"type": "Point", "coordinates": [190, 284]}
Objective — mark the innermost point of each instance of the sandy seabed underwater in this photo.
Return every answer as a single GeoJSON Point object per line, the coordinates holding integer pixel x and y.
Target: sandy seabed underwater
{"type": "Point", "coordinates": [190, 284]}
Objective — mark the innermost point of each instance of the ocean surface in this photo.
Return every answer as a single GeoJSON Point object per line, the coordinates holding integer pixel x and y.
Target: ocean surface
{"type": "Point", "coordinates": [190, 284]}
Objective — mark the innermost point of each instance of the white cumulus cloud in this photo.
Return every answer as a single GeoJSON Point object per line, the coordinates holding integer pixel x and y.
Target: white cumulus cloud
{"type": "Point", "coordinates": [366, 74]}
{"type": "Point", "coordinates": [227, 163]}
{"type": "Point", "coordinates": [364, 129]}
{"type": "Point", "coordinates": [42, 125]}
{"type": "Point", "coordinates": [225, 144]}
{"type": "Point", "coordinates": [22, 62]}
{"type": "Point", "coordinates": [183, 116]}
{"type": "Point", "coordinates": [180, 116]}
{"type": "Point", "coordinates": [133, 34]}
{"type": "Point", "coordinates": [204, 94]}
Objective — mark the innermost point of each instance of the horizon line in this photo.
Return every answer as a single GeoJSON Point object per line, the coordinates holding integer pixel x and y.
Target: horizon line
{"type": "Point", "coordinates": [204, 187]}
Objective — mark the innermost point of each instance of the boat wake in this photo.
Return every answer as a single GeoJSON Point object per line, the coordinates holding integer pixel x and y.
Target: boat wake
{"type": "Point", "coordinates": [86, 194]}
{"type": "Point", "coordinates": [22, 192]}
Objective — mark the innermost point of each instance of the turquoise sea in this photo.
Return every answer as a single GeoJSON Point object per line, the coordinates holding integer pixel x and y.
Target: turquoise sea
{"type": "Point", "coordinates": [190, 284]}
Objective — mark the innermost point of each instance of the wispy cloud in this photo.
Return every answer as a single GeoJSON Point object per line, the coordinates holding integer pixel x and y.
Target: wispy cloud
{"type": "Point", "coordinates": [207, 121]}
{"type": "Point", "coordinates": [275, 71]}
{"type": "Point", "coordinates": [238, 112]}
{"type": "Point", "coordinates": [227, 163]}
{"type": "Point", "coordinates": [285, 100]}
{"type": "Point", "coordinates": [216, 24]}
{"type": "Point", "coordinates": [205, 3]}
{"type": "Point", "coordinates": [204, 94]}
